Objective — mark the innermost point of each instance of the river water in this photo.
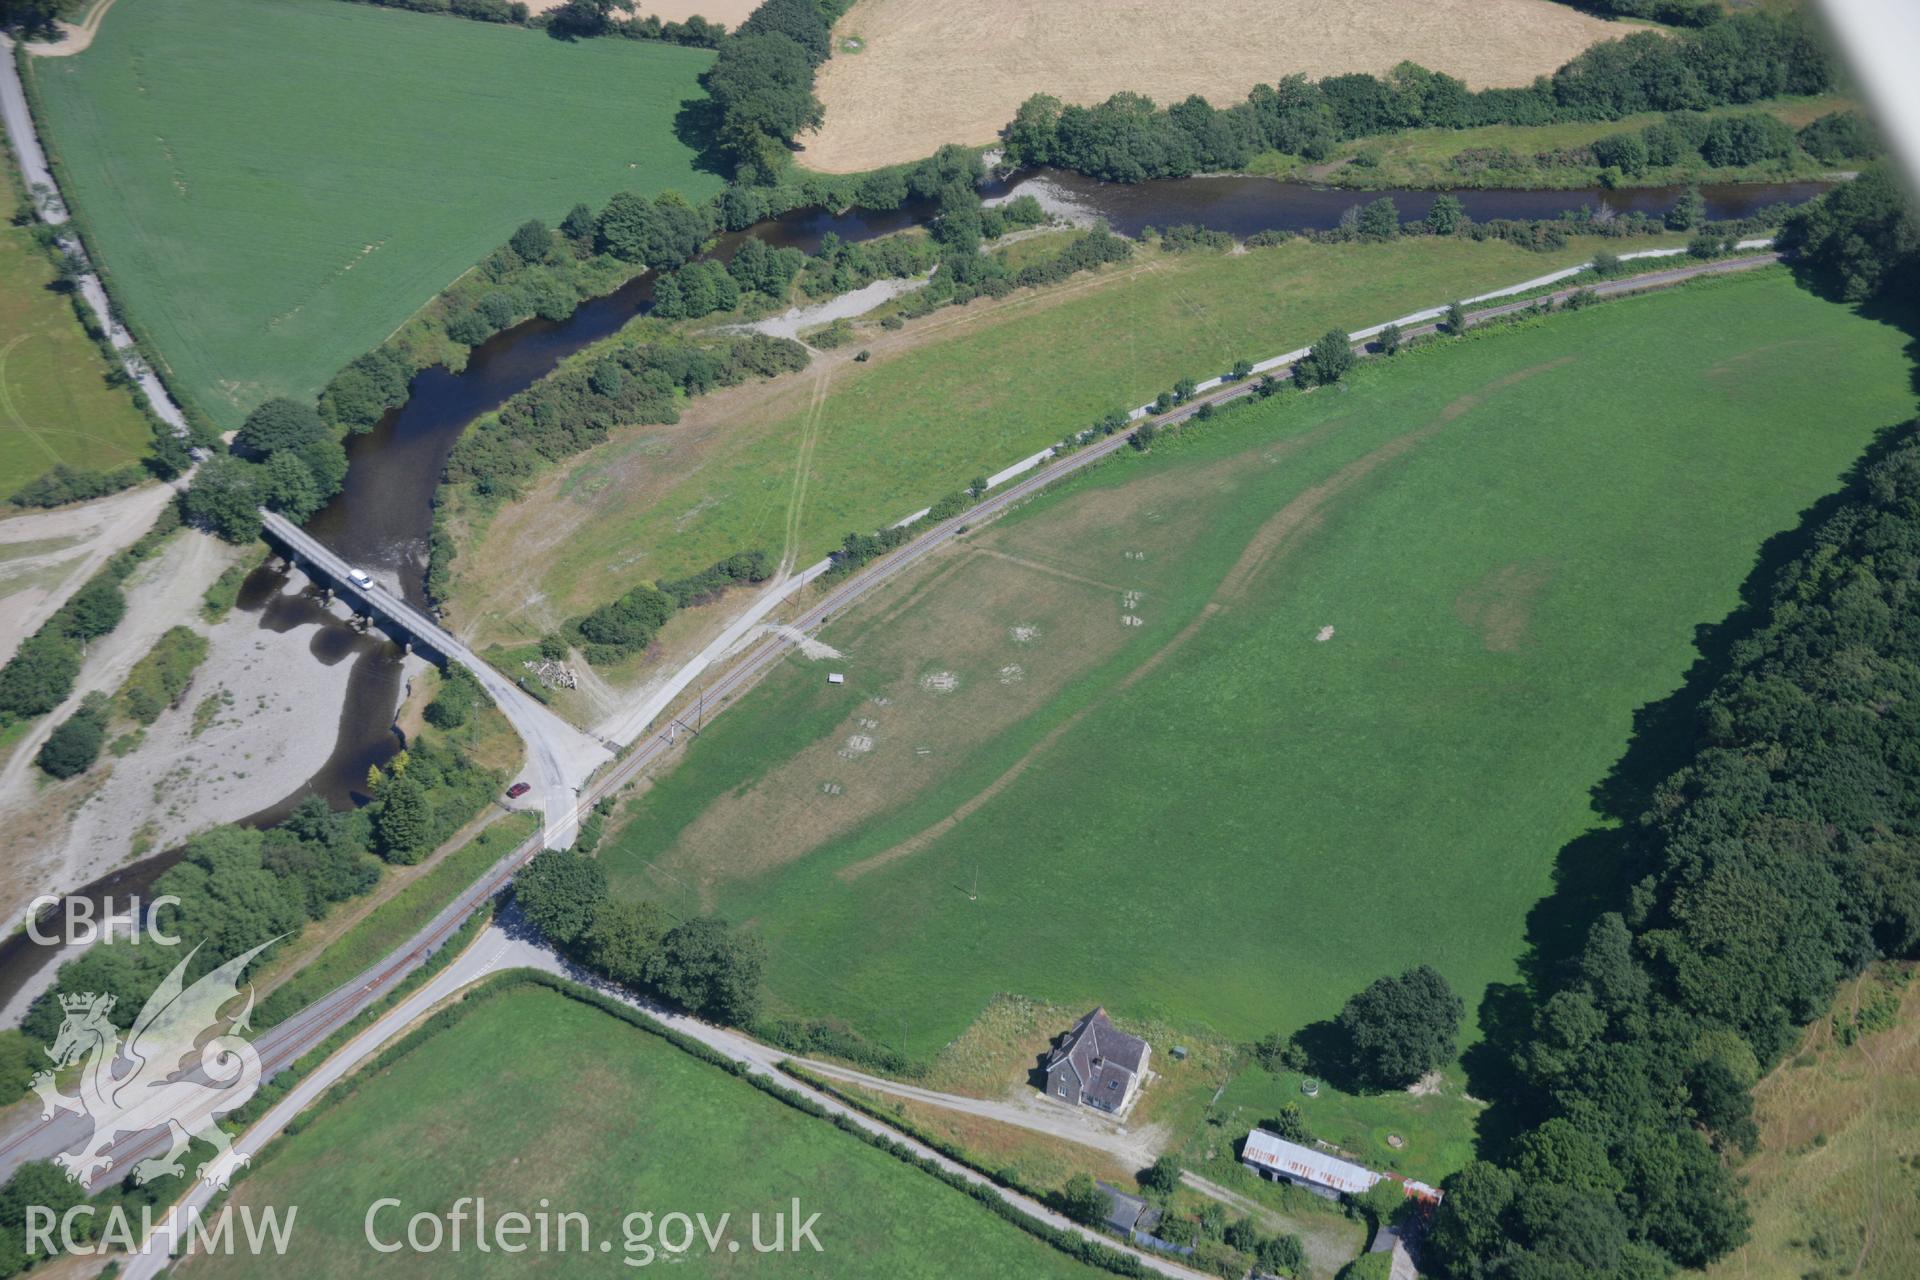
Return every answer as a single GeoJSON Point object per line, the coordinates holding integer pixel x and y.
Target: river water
{"type": "Point", "coordinates": [383, 516]}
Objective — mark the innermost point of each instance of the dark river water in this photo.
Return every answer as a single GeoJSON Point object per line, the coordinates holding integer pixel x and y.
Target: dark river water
{"type": "Point", "coordinates": [383, 515]}
{"type": "Point", "coordinates": [1242, 206]}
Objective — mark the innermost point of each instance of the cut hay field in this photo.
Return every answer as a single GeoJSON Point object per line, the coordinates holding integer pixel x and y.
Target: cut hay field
{"type": "Point", "coordinates": [274, 185]}
{"type": "Point", "coordinates": [55, 404]}
{"type": "Point", "coordinates": [534, 1099]}
{"type": "Point", "coordinates": [1111, 716]}
{"type": "Point", "coordinates": [794, 464]}
{"type": "Point", "coordinates": [932, 74]}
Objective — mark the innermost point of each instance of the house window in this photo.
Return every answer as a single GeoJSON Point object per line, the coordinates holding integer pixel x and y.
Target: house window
{"type": "Point", "coordinates": [1063, 1088]}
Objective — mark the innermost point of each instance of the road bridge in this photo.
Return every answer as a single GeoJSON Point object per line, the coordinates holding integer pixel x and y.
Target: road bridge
{"type": "Point", "coordinates": [560, 758]}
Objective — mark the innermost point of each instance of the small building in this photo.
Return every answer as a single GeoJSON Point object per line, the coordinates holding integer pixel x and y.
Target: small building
{"type": "Point", "coordinates": [1128, 1213]}
{"type": "Point", "coordinates": [1137, 1220]}
{"type": "Point", "coordinates": [1277, 1160]}
{"type": "Point", "coordinates": [836, 677]}
{"type": "Point", "coordinates": [1098, 1064]}
{"type": "Point", "coordinates": [1390, 1240]}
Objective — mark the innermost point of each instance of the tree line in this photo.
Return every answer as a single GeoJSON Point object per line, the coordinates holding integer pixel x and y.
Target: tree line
{"type": "Point", "coordinates": [701, 964]}
{"type": "Point", "coordinates": [761, 84]}
{"type": "Point", "coordinates": [1861, 240]}
{"type": "Point", "coordinates": [1738, 59]}
{"type": "Point", "coordinates": [285, 457]}
{"type": "Point", "coordinates": [628, 625]}
{"type": "Point", "coordinates": [1675, 13]}
{"type": "Point", "coordinates": [576, 406]}
{"type": "Point", "coordinates": [157, 681]}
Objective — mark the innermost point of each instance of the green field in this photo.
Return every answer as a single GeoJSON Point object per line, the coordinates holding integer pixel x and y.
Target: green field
{"type": "Point", "coordinates": [1207, 816]}
{"type": "Point", "coordinates": [533, 1098]}
{"type": "Point", "coordinates": [843, 446]}
{"type": "Point", "coordinates": [274, 185]}
{"type": "Point", "coordinates": [55, 404]}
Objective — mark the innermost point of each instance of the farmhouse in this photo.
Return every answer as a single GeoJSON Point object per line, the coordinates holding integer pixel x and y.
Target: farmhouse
{"type": "Point", "coordinates": [1098, 1064]}
{"type": "Point", "coordinates": [1276, 1159]}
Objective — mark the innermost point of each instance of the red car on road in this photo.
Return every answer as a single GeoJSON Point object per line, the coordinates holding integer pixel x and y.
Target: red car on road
{"type": "Point", "coordinates": [518, 789]}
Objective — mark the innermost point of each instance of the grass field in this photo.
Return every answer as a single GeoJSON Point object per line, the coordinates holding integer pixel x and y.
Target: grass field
{"type": "Point", "coordinates": [1435, 1130]}
{"type": "Point", "coordinates": [931, 74]}
{"type": "Point", "coordinates": [799, 462]}
{"type": "Point", "coordinates": [1835, 1187]}
{"type": "Point", "coordinates": [274, 185]}
{"type": "Point", "coordinates": [55, 404]}
{"type": "Point", "coordinates": [1108, 717]}
{"type": "Point", "coordinates": [535, 1099]}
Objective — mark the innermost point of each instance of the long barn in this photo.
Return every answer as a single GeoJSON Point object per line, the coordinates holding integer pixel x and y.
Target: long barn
{"type": "Point", "coordinates": [1276, 1159]}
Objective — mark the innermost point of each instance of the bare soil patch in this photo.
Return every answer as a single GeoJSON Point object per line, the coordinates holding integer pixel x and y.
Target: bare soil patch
{"type": "Point", "coordinates": [1500, 605]}
{"type": "Point", "coordinates": [931, 74]}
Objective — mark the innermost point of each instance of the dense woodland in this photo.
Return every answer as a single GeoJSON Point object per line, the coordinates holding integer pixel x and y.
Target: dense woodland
{"type": "Point", "coordinates": [1784, 857]}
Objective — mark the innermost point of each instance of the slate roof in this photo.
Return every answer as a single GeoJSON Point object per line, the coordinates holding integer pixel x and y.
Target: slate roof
{"type": "Point", "coordinates": [1125, 1212]}
{"type": "Point", "coordinates": [1104, 1057]}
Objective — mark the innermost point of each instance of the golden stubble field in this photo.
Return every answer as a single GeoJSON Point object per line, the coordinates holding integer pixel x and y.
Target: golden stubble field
{"type": "Point", "coordinates": [930, 74]}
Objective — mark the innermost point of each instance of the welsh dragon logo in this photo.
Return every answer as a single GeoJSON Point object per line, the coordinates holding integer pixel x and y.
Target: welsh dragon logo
{"type": "Point", "coordinates": [148, 1083]}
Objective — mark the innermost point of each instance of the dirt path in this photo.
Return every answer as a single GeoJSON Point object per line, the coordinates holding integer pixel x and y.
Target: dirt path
{"type": "Point", "coordinates": [1139, 1147]}
{"type": "Point", "coordinates": [803, 467]}
{"type": "Point", "coordinates": [846, 306]}
{"type": "Point", "coordinates": [73, 38]}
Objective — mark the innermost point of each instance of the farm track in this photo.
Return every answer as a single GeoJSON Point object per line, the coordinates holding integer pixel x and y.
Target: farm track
{"type": "Point", "coordinates": [282, 1045]}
